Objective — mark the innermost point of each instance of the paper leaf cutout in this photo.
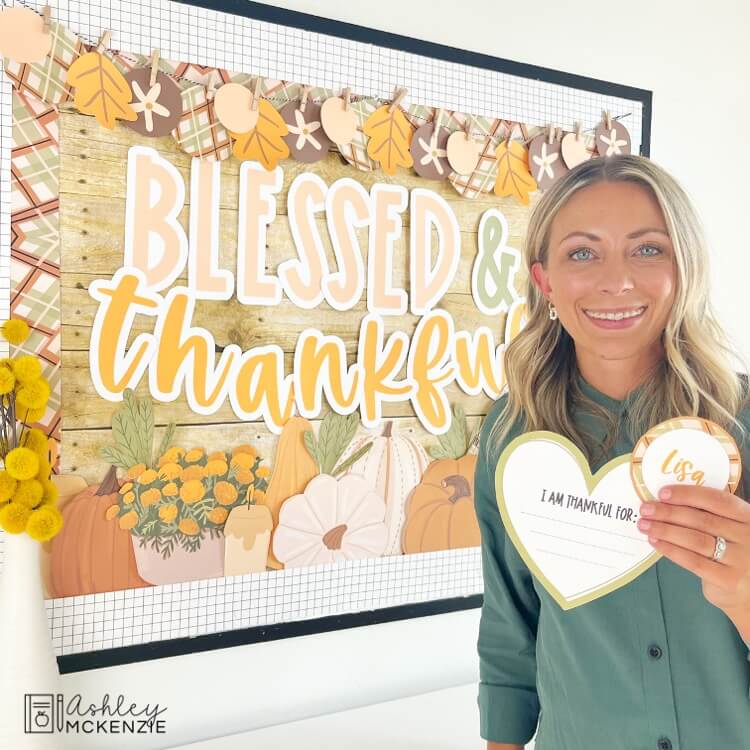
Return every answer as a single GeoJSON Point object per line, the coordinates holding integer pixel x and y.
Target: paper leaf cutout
{"type": "Point", "coordinates": [265, 142]}
{"type": "Point", "coordinates": [513, 176]}
{"type": "Point", "coordinates": [390, 137]}
{"type": "Point", "coordinates": [101, 90]}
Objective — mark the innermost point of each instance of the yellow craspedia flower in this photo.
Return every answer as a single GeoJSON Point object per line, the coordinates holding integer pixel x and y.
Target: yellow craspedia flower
{"type": "Point", "coordinates": [188, 526]}
{"type": "Point", "coordinates": [168, 513]}
{"type": "Point", "coordinates": [134, 471]}
{"type": "Point", "coordinates": [225, 493]}
{"type": "Point", "coordinates": [7, 486]}
{"type": "Point", "coordinates": [129, 520]}
{"type": "Point", "coordinates": [13, 517]}
{"type": "Point", "coordinates": [169, 490]}
{"type": "Point", "coordinates": [262, 471]}
{"type": "Point", "coordinates": [216, 468]}
{"type": "Point", "coordinates": [15, 331]}
{"type": "Point", "coordinates": [29, 493]}
{"type": "Point", "coordinates": [7, 380]}
{"type": "Point", "coordinates": [43, 470]}
{"type": "Point", "coordinates": [170, 470]}
{"type": "Point", "coordinates": [148, 476]}
{"type": "Point", "coordinates": [112, 512]}
{"type": "Point", "coordinates": [37, 441]}
{"type": "Point", "coordinates": [196, 454]}
{"type": "Point", "coordinates": [27, 368]}
{"type": "Point", "coordinates": [243, 461]}
{"type": "Point", "coordinates": [218, 515]}
{"type": "Point", "coordinates": [192, 491]}
{"type": "Point", "coordinates": [128, 498]}
{"type": "Point", "coordinates": [44, 523]}
{"type": "Point", "coordinates": [150, 497]}
{"type": "Point", "coordinates": [51, 493]}
{"type": "Point", "coordinates": [30, 416]}
{"type": "Point", "coordinates": [32, 395]}
{"type": "Point", "coordinates": [22, 463]}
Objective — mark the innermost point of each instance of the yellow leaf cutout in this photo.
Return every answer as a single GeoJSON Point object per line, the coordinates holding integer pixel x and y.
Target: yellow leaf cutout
{"type": "Point", "coordinates": [265, 142]}
{"type": "Point", "coordinates": [513, 175]}
{"type": "Point", "coordinates": [390, 137]}
{"type": "Point", "coordinates": [101, 90]}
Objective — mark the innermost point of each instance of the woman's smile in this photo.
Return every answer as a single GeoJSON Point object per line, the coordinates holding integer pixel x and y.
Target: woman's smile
{"type": "Point", "coordinates": [616, 319]}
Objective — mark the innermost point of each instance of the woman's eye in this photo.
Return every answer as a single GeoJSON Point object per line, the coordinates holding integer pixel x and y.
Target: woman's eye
{"type": "Point", "coordinates": [651, 247]}
{"type": "Point", "coordinates": [580, 250]}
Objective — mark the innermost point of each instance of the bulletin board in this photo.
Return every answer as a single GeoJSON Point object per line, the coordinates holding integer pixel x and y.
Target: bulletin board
{"type": "Point", "coordinates": [72, 230]}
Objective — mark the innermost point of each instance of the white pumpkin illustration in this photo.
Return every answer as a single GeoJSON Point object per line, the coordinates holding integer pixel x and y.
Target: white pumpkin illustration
{"type": "Point", "coordinates": [332, 520]}
{"type": "Point", "coordinates": [393, 467]}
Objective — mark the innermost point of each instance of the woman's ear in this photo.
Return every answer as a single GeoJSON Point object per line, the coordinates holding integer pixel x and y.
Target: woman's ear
{"type": "Point", "coordinates": [539, 277]}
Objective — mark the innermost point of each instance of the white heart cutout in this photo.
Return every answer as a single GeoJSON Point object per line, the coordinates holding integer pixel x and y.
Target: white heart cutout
{"type": "Point", "coordinates": [577, 546]}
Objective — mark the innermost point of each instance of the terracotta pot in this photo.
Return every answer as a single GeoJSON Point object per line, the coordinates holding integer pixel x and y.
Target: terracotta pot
{"type": "Point", "coordinates": [181, 565]}
{"type": "Point", "coordinates": [247, 531]}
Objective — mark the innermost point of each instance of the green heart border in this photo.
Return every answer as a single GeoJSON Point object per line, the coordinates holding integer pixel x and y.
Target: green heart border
{"type": "Point", "coordinates": [591, 481]}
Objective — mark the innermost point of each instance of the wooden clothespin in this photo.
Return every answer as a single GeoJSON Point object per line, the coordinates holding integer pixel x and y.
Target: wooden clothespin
{"type": "Point", "coordinates": [256, 95]}
{"type": "Point", "coordinates": [467, 127]}
{"type": "Point", "coordinates": [211, 86]}
{"type": "Point", "coordinates": [154, 67]}
{"type": "Point", "coordinates": [103, 41]}
{"type": "Point", "coordinates": [579, 128]}
{"type": "Point", "coordinates": [46, 17]}
{"type": "Point", "coordinates": [303, 98]}
{"type": "Point", "coordinates": [607, 119]}
{"type": "Point", "coordinates": [550, 134]}
{"type": "Point", "coordinates": [400, 94]}
{"type": "Point", "coordinates": [437, 116]}
{"type": "Point", "coordinates": [347, 97]}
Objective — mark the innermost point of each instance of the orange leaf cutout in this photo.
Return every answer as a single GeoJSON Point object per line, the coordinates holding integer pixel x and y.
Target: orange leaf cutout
{"type": "Point", "coordinates": [101, 90]}
{"type": "Point", "coordinates": [265, 142]}
{"type": "Point", "coordinates": [390, 137]}
{"type": "Point", "coordinates": [513, 175]}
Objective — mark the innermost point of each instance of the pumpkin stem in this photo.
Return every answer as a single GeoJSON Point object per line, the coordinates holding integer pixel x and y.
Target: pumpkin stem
{"type": "Point", "coordinates": [461, 486]}
{"type": "Point", "coordinates": [332, 538]}
{"type": "Point", "coordinates": [110, 484]}
{"type": "Point", "coordinates": [387, 429]}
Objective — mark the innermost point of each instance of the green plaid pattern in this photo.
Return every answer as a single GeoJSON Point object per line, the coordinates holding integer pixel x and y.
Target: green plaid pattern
{"type": "Point", "coordinates": [199, 133]}
{"type": "Point", "coordinates": [355, 152]}
{"type": "Point", "coordinates": [46, 80]}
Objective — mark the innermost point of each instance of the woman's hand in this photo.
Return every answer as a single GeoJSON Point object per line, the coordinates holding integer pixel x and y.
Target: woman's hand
{"type": "Point", "coordinates": [684, 527]}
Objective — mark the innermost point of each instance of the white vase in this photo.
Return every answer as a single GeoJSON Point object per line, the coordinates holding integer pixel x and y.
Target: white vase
{"type": "Point", "coordinates": [27, 657]}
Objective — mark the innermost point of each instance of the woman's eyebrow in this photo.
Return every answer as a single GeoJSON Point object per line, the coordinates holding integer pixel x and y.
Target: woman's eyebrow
{"type": "Point", "coordinates": [631, 236]}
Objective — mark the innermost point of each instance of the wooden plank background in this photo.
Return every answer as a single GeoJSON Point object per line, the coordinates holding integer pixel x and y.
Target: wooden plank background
{"type": "Point", "coordinates": [93, 164]}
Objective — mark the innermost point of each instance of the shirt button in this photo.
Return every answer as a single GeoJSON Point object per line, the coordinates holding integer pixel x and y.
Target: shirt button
{"type": "Point", "coordinates": [664, 743]}
{"type": "Point", "coordinates": [654, 651]}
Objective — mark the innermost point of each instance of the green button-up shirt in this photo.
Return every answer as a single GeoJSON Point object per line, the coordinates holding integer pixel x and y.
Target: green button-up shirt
{"type": "Point", "coordinates": [650, 666]}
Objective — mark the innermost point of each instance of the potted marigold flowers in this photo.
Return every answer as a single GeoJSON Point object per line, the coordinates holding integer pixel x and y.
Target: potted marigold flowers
{"type": "Point", "coordinates": [29, 515]}
{"type": "Point", "coordinates": [175, 504]}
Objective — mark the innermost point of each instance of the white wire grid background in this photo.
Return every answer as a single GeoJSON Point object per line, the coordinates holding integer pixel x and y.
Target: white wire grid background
{"type": "Point", "coordinates": [207, 37]}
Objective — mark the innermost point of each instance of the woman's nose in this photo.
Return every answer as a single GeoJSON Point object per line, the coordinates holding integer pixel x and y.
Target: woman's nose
{"type": "Point", "coordinates": [615, 276]}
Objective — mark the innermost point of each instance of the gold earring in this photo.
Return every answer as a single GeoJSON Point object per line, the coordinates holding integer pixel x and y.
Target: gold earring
{"type": "Point", "coordinates": [552, 311]}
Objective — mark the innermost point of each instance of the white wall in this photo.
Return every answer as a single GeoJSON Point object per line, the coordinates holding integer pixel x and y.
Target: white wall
{"type": "Point", "coordinates": [694, 57]}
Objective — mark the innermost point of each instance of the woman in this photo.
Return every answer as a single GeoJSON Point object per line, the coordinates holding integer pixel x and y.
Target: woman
{"type": "Point", "coordinates": [662, 662]}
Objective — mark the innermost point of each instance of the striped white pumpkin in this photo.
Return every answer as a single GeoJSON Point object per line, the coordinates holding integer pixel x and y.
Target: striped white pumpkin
{"type": "Point", "coordinates": [393, 467]}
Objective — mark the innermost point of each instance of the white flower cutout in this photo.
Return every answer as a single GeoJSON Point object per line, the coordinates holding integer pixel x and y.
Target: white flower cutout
{"type": "Point", "coordinates": [148, 104]}
{"type": "Point", "coordinates": [613, 145]}
{"type": "Point", "coordinates": [304, 130]}
{"type": "Point", "coordinates": [432, 152]}
{"type": "Point", "coordinates": [545, 162]}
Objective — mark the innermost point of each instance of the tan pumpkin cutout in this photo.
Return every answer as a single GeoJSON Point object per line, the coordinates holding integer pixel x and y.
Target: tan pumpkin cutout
{"type": "Point", "coordinates": [22, 36]}
{"type": "Point", "coordinates": [440, 511]}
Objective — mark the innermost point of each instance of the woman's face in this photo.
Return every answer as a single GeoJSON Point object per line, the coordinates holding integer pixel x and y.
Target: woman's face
{"type": "Point", "coordinates": [609, 252]}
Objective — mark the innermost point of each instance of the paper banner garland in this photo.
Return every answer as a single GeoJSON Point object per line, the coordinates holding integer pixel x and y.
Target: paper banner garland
{"type": "Point", "coordinates": [355, 151]}
{"type": "Point", "coordinates": [575, 149]}
{"type": "Point", "coordinates": [612, 137]}
{"type": "Point", "coordinates": [23, 37]}
{"type": "Point", "coordinates": [513, 176]}
{"type": "Point", "coordinates": [545, 160]}
{"type": "Point", "coordinates": [390, 135]}
{"type": "Point", "coordinates": [339, 119]}
{"type": "Point", "coordinates": [199, 132]}
{"type": "Point", "coordinates": [428, 151]}
{"type": "Point", "coordinates": [265, 142]}
{"type": "Point", "coordinates": [233, 104]}
{"type": "Point", "coordinates": [158, 104]}
{"type": "Point", "coordinates": [307, 140]}
{"type": "Point", "coordinates": [462, 150]}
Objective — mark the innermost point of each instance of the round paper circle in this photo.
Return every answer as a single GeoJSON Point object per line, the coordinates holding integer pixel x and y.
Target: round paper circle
{"type": "Point", "coordinates": [22, 36]}
{"type": "Point", "coordinates": [159, 107]}
{"type": "Point", "coordinates": [545, 161]}
{"type": "Point", "coordinates": [429, 153]}
{"type": "Point", "coordinates": [233, 105]}
{"type": "Point", "coordinates": [306, 139]}
{"type": "Point", "coordinates": [574, 151]}
{"type": "Point", "coordinates": [685, 450]}
{"type": "Point", "coordinates": [614, 141]}
{"type": "Point", "coordinates": [339, 123]}
{"type": "Point", "coordinates": [462, 152]}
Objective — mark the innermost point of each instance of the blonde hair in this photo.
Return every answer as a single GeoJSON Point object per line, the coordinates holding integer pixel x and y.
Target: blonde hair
{"type": "Point", "coordinates": [694, 377]}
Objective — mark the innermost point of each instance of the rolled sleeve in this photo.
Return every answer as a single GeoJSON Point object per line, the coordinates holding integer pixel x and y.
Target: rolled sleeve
{"type": "Point", "coordinates": [507, 698]}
